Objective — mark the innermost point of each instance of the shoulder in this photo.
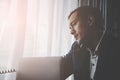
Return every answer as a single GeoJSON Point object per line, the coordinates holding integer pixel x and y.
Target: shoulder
{"type": "Point", "coordinates": [111, 44]}
{"type": "Point", "coordinates": [74, 45]}
{"type": "Point", "coordinates": [110, 40]}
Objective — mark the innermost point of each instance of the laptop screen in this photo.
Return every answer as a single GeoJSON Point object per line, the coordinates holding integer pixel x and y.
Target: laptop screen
{"type": "Point", "coordinates": [39, 68]}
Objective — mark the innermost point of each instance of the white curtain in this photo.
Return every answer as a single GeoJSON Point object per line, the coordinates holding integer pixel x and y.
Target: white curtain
{"type": "Point", "coordinates": [47, 31]}
{"type": "Point", "coordinates": [34, 28]}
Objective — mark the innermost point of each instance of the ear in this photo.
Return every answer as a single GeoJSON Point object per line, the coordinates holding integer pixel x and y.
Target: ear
{"type": "Point", "coordinates": [91, 20]}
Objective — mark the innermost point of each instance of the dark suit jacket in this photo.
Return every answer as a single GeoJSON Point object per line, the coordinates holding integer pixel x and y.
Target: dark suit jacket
{"type": "Point", "coordinates": [77, 61]}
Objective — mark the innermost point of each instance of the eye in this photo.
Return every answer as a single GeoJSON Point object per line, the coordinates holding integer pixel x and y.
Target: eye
{"type": "Point", "coordinates": [73, 23]}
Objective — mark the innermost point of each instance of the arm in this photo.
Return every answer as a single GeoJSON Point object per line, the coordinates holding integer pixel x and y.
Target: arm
{"type": "Point", "coordinates": [66, 65]}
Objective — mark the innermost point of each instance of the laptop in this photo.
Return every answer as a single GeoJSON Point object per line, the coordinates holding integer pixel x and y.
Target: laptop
{"type": "Point", "coordinates": [39, 68]}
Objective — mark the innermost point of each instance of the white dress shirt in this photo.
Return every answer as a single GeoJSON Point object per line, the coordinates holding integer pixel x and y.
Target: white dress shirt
{"type": "Point", "coordinates": [93, 65]}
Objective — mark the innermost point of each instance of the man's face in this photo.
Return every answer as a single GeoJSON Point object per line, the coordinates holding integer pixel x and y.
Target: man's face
{"type": "Point", "coordinates": [76, 27]}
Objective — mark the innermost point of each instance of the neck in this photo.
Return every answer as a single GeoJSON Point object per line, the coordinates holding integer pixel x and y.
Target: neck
{"type": "Point", "coordinates": [94, 42]}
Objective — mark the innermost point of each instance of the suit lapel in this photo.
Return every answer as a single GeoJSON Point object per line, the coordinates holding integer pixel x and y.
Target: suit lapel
{"type": "Point", "coordinates": [82, 61]}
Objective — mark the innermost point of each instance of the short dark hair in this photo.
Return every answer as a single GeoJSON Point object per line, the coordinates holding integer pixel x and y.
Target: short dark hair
{"type": "Point", "coordinates": [84, 11]}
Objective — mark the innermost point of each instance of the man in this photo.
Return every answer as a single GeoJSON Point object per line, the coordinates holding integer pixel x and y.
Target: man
{"type": "Point", "coordinates": [94, 54]}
